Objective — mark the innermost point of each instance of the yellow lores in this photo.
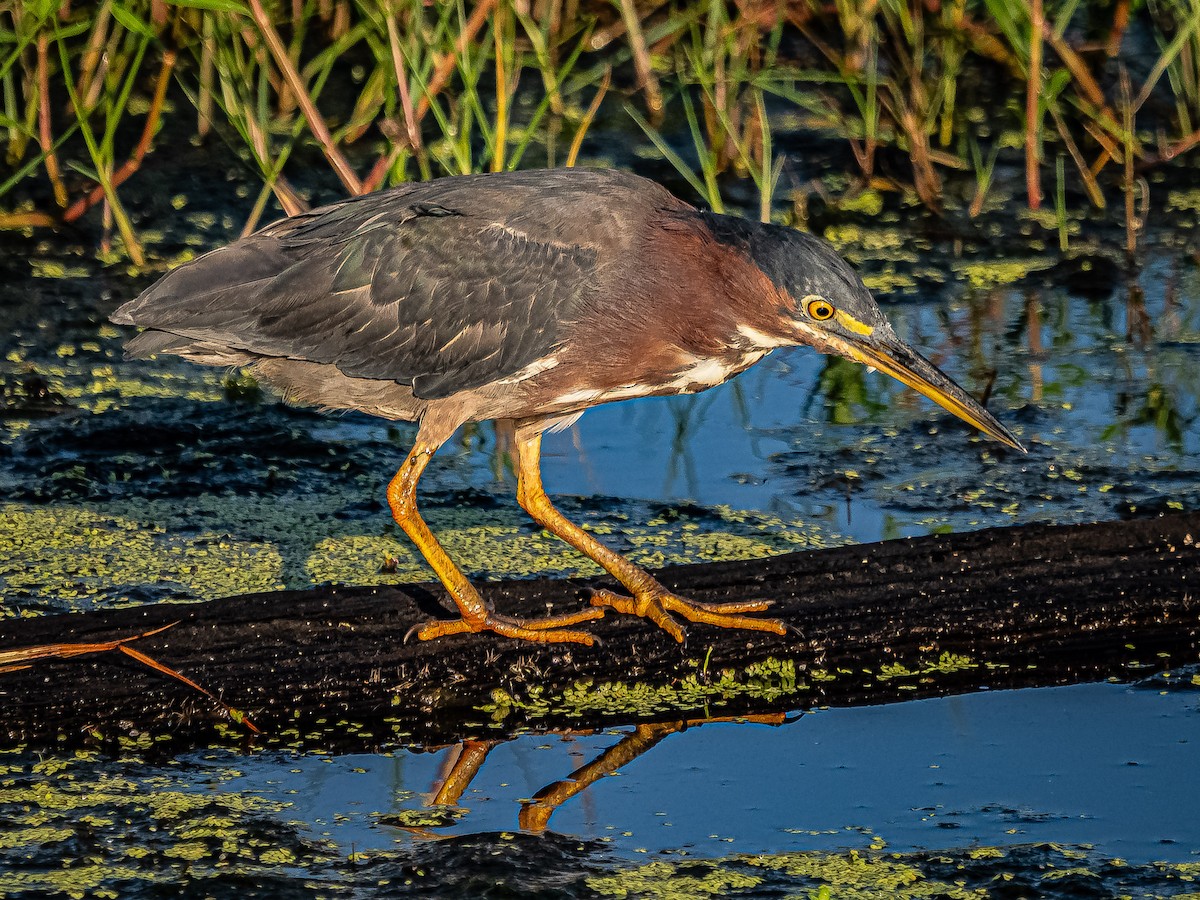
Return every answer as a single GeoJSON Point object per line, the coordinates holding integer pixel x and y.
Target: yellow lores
{"type": "Point", "coordinates": [822, 310]}
{"type": "Point", "coordinates": [850, 323]}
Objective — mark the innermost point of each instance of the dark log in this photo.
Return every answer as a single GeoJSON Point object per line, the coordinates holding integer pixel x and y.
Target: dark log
{"type": "Point", "coordinates": [1035, 605]}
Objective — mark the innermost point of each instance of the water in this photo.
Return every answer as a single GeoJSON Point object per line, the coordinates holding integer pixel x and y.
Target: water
{"type": "Point", "coordinates": [983, 769]}
{"type": "Point", "coordinates": [1005, 783]}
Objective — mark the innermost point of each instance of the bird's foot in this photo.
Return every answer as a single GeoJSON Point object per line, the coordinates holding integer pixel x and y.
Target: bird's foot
{"type": "Point", "coordinates": [657, 603]}
{"type": "Point", "coordinates": [552, 629]}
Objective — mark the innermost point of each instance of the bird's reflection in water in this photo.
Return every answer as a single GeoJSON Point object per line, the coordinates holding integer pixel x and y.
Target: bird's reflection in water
{"type": "Point", "coordinates": [467, 758]}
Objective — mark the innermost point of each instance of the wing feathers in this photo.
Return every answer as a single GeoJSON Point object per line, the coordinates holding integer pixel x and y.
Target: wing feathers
{"type": "Point", "coordinates": [418, 294]}
{"type": "Point", "coordinates": [445, 285]}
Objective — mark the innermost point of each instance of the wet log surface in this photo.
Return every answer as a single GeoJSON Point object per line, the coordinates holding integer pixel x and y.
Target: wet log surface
{"type": "Point", "coordinates": [998, 608]}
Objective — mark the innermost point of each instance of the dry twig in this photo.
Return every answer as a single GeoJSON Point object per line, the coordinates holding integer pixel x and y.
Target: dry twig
{"type": "Point", "coordinates": [22, 657]}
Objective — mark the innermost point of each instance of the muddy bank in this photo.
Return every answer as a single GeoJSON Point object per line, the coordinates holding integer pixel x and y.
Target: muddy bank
{"type": "Point", "coordinates": [997, 608]}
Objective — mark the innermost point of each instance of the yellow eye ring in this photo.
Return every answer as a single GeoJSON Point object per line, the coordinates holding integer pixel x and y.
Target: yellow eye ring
{"type": "Point", "coordinates": [820, 309]}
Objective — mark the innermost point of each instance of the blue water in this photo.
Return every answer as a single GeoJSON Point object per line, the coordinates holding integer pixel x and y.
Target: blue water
{"type": "Point", "coordinates": [1112, 766]}
{"type": "Point", "coordinates": [1057, 792]}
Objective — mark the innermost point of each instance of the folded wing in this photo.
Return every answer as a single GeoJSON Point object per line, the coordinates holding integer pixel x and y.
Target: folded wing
{"type": "Point", "coordinates": [386, 286]}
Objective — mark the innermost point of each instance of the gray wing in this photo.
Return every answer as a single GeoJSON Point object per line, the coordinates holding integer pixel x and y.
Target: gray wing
{"type": "Point", "coordinates": [385, 286]}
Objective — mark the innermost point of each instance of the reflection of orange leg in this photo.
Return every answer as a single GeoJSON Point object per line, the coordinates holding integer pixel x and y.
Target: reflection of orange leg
{"type": "Point", "coordinates": [535, 813]}
{"type": "Point", "coordinates": [650, 599]}
{"type": "Point", "coordinates": [471, 755]}
{"type": "Point", "coordinates": [477, 614]}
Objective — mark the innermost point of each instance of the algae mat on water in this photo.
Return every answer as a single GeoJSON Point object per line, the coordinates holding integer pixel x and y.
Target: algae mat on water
{"type": "Point", "coordinates": [187, 501]}
{"type": "Point", "coordinates": [87, 556]}
{"type": "Point", "coordinates": [80, 827]}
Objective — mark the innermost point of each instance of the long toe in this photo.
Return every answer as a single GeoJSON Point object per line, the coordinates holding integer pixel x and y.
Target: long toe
{"type": "Point", "coordinates": [549, 630]}
{"type": "Point", "coordinates": [584, 615]}
{"type": "Point", "coordinates": [733, 606]}
{"type": "Point", "coordinates": [723, 614]}
{"type": "Point", "coordinates": [658, 605]}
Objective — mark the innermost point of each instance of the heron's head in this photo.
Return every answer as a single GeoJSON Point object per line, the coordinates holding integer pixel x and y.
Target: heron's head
{"type": "Point", "coordinates": [834, 312]}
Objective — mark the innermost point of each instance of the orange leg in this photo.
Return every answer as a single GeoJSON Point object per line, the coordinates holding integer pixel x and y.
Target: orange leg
{"type": "Point", "coordinates": [650, 599]}
{"type": "Point", "coordinates": [477, 614]}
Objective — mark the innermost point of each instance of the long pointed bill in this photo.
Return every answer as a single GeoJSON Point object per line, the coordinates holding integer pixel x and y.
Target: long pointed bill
{"type": "Point", "coordinates": [907, 365]}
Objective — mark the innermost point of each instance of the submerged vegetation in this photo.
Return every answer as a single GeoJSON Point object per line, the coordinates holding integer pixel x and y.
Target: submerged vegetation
{"type": "Point", "coordinates": [925, 99]}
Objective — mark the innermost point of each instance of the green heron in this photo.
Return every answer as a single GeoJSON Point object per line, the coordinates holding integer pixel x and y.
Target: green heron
{"type": "Point", "coordinates": [529, 297]}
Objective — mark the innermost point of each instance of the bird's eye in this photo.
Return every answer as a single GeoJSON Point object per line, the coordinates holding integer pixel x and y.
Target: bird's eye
{"type": "Point", "coordinates": [820, 309]}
